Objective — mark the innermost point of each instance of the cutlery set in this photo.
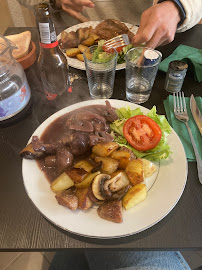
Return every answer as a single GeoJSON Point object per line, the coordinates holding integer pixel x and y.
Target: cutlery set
{"type": "Point", "coordinates": [180, 112]}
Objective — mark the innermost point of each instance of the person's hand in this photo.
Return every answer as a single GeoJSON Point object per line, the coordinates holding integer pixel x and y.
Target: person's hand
{"type": "Point", "coordinates": [75, 7]}
{"type": "Point", "coordinates": [158, 25]}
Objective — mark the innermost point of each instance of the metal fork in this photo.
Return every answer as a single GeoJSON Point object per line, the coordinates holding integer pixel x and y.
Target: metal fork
{"type": "Point", "coordinates": [117, 42]}
{"type": "Point", "coordinates": [180, 112]}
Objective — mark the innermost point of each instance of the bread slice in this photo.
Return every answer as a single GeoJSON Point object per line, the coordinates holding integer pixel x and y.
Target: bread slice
{"type": "Point", "coordinates": [22, 41]}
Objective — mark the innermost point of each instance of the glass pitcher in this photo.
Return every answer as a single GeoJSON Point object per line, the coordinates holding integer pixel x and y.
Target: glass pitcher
{"type": "Point", "coordinates": [14, 89]}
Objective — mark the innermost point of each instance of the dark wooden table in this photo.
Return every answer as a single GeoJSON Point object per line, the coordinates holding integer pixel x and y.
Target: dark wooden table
{"type": "Point", "coordinates": [22, 227]}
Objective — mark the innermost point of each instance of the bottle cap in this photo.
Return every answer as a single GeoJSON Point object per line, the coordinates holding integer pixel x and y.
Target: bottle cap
{"type": "Point", "coordinates": [150, 57]}
{"type": "Point", "coordinates": [178, 65]}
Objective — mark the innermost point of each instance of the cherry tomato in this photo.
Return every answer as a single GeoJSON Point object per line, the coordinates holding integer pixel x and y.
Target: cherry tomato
{"type": "Point", "coordinates": [142, 132]}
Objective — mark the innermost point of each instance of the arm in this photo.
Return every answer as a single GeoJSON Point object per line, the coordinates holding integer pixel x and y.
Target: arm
{"type": "Point", "coordinates": [160, 22]}
{"type": "Point", "coordinates": [193, 11]}
{"type": "Point", "coordinates": [72, 7]}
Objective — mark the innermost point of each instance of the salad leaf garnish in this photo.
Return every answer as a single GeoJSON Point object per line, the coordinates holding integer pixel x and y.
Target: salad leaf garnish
{"type": "Point", "coordinates": [161, 151]}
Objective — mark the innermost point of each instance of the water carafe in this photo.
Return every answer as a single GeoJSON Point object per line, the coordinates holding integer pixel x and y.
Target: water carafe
{"type": "Point", "coordinates": [14, 89]}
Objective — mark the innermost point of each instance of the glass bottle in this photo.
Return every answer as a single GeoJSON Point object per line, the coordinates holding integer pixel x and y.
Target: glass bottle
{"type": "Point", "coordinates": [52, 63]}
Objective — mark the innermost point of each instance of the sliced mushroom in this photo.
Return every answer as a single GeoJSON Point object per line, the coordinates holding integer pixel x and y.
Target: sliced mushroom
{"type": "Point", "coordinates": [97, 184]}
{"type": "Point", "coordinates": [118, 181]}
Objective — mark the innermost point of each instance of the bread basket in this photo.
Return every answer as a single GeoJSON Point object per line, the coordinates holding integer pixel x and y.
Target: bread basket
{"type": "Point", "coordinates": [30, 58]}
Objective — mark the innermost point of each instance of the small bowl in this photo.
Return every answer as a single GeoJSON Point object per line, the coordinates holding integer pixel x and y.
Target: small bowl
{"type": "Point", "coordinates": [30, 58]}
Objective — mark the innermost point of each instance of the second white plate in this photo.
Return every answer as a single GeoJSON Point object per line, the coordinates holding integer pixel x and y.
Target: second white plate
{"type": "Point", "coordinates": [75, 63]}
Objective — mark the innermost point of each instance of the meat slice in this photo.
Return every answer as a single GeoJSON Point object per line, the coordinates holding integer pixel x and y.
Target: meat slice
{"type": "Point", "coordinates": [111, 28]}
{"type": "Point", "coordinates": [111, 211]}
{"type": "Point", "coordinates": [67, 198]}
{"type": "Point", "coordinates": [64, 159]}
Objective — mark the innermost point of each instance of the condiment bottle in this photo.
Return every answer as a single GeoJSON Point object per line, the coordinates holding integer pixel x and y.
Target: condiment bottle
{"type": "Point", "coordinates": [52, 63]}
{"type": "Point", "coordinates": [175, 76]}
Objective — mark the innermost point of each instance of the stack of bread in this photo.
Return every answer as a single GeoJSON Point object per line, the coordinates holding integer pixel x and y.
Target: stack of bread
{"type": "Point", "coordinates": [22, 42]}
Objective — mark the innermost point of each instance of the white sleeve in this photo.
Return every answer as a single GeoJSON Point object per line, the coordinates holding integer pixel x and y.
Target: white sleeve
{"type": "Point", "coordinates": [193, 10]}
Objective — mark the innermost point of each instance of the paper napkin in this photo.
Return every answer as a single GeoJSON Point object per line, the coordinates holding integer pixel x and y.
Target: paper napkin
{"type": "Point", "coordinates": [181, 129]}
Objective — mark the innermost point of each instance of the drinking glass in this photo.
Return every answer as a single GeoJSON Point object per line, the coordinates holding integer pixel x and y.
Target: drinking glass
{"type": "Point", "coordinates": [100, 71]}
{"type": "Point", "coordinates": [141, 68]}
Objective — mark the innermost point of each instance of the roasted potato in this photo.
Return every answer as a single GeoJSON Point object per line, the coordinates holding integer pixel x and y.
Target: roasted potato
{"type": "Point", "coordinates": [69, 40]}
{"type": "Point", "coordinates": [67, 198]}
{"type": "Point", "coordinates": [62, 182]}
{"type": "Point", "coordinates": [87, 181]}
{"type": "Point", "coordinates": [88, 42]}
{"type": "Point", "coordinates": [148, 167]}
{"type": "Point", "coordinates": [109, 165]}
{"type": "Point", "coordinates": [84, 164]}
{"type": "Point", "coordinates": [80, 57]}
{"type": "Point", "coordinates": [77, 174]}
{"type": "Point", "coordinates": [84, 202]}
{"type": "Point", "coordinates": [82, 47]}
{"type": "Point", "coordinates": [104, 149]}
{"type": "Point", "coordinates": [123, 157]}
{"type": "Point", "coordinates": [87, 31]}
{"type": "Point", "coordinates": [81, 34]}
{"type": "Point", "coordinates": [96, 37]}
{"type": "Point", "coordinates": [72, 52]}
{"type": "Point", "coordinates": [134, 171]}
{"type": "Point", "coordinates": [135, 195]}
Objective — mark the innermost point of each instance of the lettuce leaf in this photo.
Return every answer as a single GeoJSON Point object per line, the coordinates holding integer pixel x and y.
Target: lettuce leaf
{"type": "Point", "coordinates": [161, 151]}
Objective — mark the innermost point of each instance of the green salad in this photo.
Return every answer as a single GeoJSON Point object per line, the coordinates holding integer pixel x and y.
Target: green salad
{"type": "Point", "coordinates": [161, 151]}
{"type": "Point", "coordinates": [100, 56]}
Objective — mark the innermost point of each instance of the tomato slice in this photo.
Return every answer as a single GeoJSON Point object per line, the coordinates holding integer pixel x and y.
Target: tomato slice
{"type": "Point", "coordinates": [142, 132]}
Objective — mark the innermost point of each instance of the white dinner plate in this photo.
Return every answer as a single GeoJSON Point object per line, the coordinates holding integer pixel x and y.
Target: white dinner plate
{"type": "Point", "coordinates": [75, 63]}
{"type": "Point", "coordinates": [167, 189]}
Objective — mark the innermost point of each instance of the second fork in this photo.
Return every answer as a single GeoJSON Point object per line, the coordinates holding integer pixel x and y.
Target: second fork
{"type": "Point", "coordinates": [180, 112]}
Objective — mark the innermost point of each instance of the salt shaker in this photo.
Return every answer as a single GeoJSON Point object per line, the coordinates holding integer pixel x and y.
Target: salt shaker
{"type": "Point", "coordinates": [175, 76]}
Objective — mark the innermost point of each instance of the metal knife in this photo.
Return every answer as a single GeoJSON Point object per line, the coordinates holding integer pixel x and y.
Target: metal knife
{"type": "Point", "coordinates": [196, 113]}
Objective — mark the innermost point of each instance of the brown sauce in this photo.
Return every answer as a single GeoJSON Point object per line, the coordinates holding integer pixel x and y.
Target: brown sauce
{"type": "Point", "coordinates": [58, 130]}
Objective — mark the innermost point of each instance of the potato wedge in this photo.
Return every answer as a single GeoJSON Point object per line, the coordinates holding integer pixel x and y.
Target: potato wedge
{"type": "Point", "coordinates": [80, 57]}
{"type": "Point", "coordinates": [96, 37]}
{"type": "Point", "coordinates": [72, 52]}
{"type": "Point", "coordinates": [148, 167]}
{"type": "Point", "coordinates": [105, 149]}
{"type": "Point", "coordinates": [81, 34]}
{"type": "Point", "coordinates": [87, 181]}
{"type": "Point", "coordinates": [84, 164]}
{"type": "Point", "coordinates": [84, 202]}
{"type": "Point", "coordinates": [62, 182]}
{"type": "Point", "coordinates": [87, 31]}
{"type": "Point", "coordinates": [88, 42]}
{"type": "Point", "coordinates": [77, 175]}
{"type": "Point", "coordinates": [135, 195]}
{"type": "Point", "coordinates": [134, 171]}
{"type": "Point", "coordinates": [82, 47]}
{"type": "Point", "coordinates": [123, 157]}
{"type": "Point", "coordinates": [109, 165]}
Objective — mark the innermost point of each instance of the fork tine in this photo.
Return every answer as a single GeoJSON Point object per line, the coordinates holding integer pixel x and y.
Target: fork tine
{"type": "Point", "coordinates": [174, 102]}
{"type": "Point", "coordinates": [184, 103]}
{"type": "Point", "coordinates": [181, 105]}
{"type": "Point", "coordinates": [178, 103]}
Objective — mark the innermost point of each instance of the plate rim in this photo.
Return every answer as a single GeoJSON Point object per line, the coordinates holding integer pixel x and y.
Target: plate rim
{"type": "Point", "coordinates": [73, 107]}
{"type": "Point", "coordinates": [86, 24]}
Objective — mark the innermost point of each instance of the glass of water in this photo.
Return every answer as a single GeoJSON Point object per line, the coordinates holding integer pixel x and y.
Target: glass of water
{"type": "Point", "coordinates": [100, 71]}
{"type": "Point", "coordinates": [141, 68]}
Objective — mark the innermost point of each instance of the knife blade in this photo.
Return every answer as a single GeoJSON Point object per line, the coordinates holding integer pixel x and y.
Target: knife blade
{"type": "Point", "coordinates": [196, 113]}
